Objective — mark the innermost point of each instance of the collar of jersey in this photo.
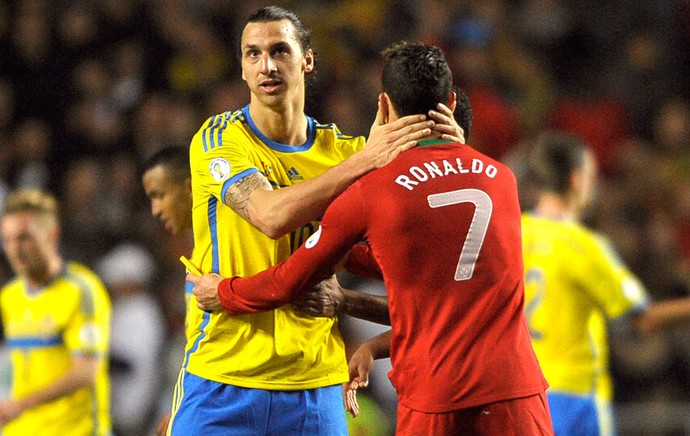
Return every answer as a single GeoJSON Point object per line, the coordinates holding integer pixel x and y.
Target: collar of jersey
{"type": "Point", "coordinates": [436, 141]}
{"type": "Point", "coordinates": [277, 146]}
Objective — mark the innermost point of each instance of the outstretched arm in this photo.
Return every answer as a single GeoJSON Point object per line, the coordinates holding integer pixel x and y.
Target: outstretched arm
{"type": "Point", "coordinates": [662, 314]}
{"type": "Point", "coordinates": [342, 226]}
{"type": "Point", "coordinates": [277, 212]}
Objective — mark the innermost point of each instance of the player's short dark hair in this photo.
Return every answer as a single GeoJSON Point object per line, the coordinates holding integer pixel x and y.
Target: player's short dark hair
{"type": "Point", "coordinates": [416, 77]}
{"type": "Point", "coordinates": [275, 13]}
{"type": "Point", "coordinates": [175, 159]}
{"type": "Point", "coordinates": [552, 159]}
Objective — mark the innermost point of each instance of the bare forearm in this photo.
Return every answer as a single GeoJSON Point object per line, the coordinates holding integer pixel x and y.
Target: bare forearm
{"type": "Point", "coordinates": [368, 307]}
{"type": "Point", "coordinates": [75, 378]}
{"type": "Point", "coordinates": [663, 314]}
{"type": "Point", "coordinates": [380, 346]}
{"type": "Point", "coordinates": [278, 212]}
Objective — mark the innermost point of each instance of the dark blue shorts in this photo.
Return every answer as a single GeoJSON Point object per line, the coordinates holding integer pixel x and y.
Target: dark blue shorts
{"type": "Point", "coordinates": [210, 408]}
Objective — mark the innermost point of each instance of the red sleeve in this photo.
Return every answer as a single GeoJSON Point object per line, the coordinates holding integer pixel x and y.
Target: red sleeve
{"type": "Point", "coordinates": [361, 261]}
{"type": "Point", "coordinates": [343, 225]}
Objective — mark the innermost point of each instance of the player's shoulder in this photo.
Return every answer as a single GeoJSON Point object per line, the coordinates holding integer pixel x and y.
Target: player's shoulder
{"type": "Point", "coordinates": [15, 285]}
{"type": "Point", "coordinates": [331, 131]}
{"type": "Point", "coordinates": [230, 117]}
{"type": "Point", "coordinates": [568, 233]}
{"type": "Point", "coordinates": [216, 130]}
{"type": "Point", "coordinates": [81, 278]}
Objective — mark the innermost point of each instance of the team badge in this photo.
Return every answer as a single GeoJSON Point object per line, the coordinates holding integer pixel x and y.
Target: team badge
{"type": "Point", "coordinates": [220, 169]}
{"type": "Point", "coordinates": [88, 334]}
{"type": "Point", "coordinates": [313, 239]}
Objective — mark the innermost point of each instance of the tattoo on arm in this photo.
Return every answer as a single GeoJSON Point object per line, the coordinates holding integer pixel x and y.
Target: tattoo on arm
{"type": "Point", "coordinates": [237, 195]}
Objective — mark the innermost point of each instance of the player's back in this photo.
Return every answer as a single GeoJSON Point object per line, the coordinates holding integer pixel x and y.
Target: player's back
{"type": "Point", "coordinates": [444, 225]}
{"type": "Point", "coordinates": [572, 283]}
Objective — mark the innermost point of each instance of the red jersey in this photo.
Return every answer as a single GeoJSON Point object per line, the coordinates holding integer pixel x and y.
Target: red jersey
{"type": "Point", "coordinates": [443, 223]}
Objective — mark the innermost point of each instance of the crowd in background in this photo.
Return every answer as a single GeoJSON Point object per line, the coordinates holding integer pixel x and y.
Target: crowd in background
{"type": "Point", "coordinates": [89, 89]}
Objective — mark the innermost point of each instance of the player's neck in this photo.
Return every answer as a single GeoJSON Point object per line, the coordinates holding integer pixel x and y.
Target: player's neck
{"type": "Point", "coordinates": [41, 279]}
{"type": "Point", "coordinates": [285, 124]}
{"type": "Point", "coordinates": [555, 207]}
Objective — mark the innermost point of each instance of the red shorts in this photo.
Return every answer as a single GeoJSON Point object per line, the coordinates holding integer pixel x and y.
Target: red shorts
{"type": "Point", "coordinates": [527, 416]}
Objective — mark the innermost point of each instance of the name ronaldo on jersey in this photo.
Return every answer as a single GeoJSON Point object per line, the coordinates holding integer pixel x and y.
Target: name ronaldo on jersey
{"type": "Point", "coordinates": [431, 170]}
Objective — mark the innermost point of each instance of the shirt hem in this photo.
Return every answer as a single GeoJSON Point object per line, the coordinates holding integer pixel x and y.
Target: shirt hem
{"type": "Point", "coordinates": [277, 385]}
{"type": "Point", "coordinates": [474, 402]}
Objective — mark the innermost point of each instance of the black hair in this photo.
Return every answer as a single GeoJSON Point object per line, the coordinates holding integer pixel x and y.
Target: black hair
{"type": "Point", "coordinates": [174, 158]}
{"type": "Point", "coordinates": [275, 13]}
{"type": "Point", "coordinates": [416, 77]}
{"type": "Point", "coordinates": [553, 158]}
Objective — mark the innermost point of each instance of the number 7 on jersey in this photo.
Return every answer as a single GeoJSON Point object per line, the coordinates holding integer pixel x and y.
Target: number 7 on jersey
{"type": "Point", "coordinates": [483, 207]}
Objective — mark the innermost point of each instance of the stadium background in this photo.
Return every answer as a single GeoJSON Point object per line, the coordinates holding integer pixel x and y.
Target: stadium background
{"type": "Point", "coordinates": [88, 89]}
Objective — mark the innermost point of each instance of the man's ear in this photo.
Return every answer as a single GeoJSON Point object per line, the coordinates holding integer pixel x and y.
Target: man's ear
{"type": "Point", "coordinates": [388, 109]}
{"type": "Point", "coordinates": [452, 101]}
{"type": "Point", "coordinates": [309, 61]}
{"type": "Point", "coordinates": [385, 103]}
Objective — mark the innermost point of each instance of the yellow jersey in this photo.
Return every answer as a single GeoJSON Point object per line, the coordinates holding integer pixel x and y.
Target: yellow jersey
{"type": "Point", "coordinates": [44, 328]}
{"type": "Point", "coordinates": [574, 282]}
{"type": "Point", "coordinates": [280, 349]}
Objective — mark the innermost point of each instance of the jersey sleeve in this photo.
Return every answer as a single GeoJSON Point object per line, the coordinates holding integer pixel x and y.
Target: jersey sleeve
{"type": "Point", "coordinates": [613, 286]}
{"type": "Point", "coordinates": [87, 332]}
{"type": "Point", "coordinates": [342, 226]}
{"type": "Point", "coordinates": [219, 156]}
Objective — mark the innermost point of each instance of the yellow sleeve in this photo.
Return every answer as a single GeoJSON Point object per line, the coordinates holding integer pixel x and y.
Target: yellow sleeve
{"type": "Point", "coordinates": [88, 330]}
{"type": "Point", "coordinates": [609, 282]}
{"type": "Point", "coordinates": [219, 155]}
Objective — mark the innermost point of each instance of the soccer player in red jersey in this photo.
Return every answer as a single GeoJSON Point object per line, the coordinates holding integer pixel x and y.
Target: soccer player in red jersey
{"type": "Point", "coordinates": [442, 222]}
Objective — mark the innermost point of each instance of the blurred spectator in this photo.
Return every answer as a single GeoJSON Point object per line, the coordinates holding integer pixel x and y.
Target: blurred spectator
{"type": "Point", "coordinates": [83, 221]}
{"type": "Point", "coordinates": [130, 75]}
{"type": "Point", "coordinates": [598, 120]}
{"type": "Point", "coordinates": [471, 41]}
{"type": "Point", "coordinates": [161, 121]}
{"type": "Point", "coordinates": [642, 80]}
{"type": "Point", "coordinates": [32, 146]}
{"type": "Point", "coordinates": [7, 103]}
{"type": "Point", "coordinates": [199, 60]}
{"type": "Point", "coordinates": [93, 120]}
{"type": "Point", "coordinates": [137, 333]}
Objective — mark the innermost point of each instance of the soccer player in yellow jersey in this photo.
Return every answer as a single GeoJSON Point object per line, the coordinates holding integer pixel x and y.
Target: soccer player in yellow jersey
{"type": "Point", "coordinates": [261, 177]}
{"type": "Point", "coordinates": [56, 319]}
{"type": "Point", "coordinates": [574, 283]}
{"type": "Point", "coordinates": [168, 186]}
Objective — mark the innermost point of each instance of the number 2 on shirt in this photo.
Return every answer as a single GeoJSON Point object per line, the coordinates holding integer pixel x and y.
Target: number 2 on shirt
{"type": "Point", "coordinates": [483, 207]}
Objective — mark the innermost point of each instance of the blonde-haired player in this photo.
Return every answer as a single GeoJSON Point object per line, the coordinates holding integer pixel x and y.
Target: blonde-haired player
{"type": "Point", "coordinates": [56, 319]}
